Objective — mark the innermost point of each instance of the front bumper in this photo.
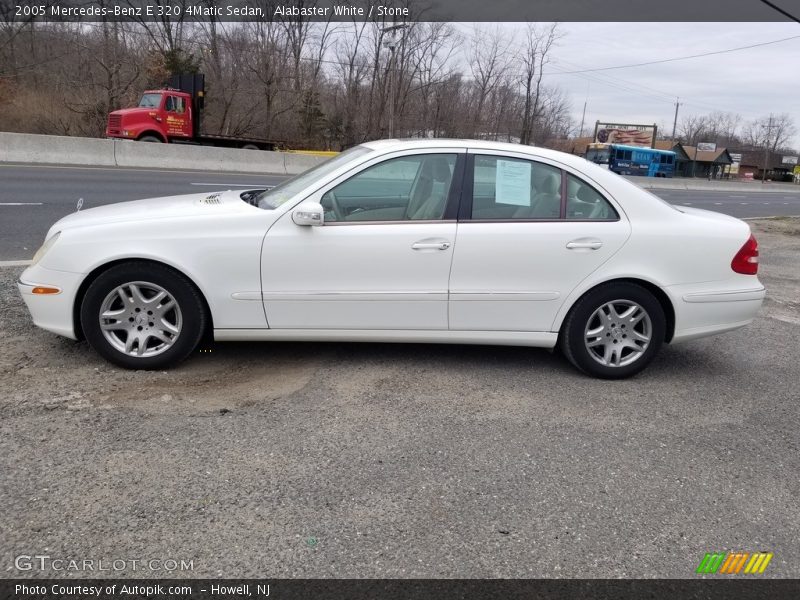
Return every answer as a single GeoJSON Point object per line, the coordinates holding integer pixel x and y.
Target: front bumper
{"type": "Point", "coordinates": [52, 312]}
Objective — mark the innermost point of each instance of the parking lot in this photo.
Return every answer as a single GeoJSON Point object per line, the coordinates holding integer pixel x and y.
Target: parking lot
{"type": "Point", "coordinates": [348, 460]}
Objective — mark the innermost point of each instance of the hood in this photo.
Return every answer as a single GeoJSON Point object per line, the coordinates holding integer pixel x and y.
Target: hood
{"type": "Point", "coordinates": [188, 205]}
{"type": "Point", "coordinates": [133, 111]}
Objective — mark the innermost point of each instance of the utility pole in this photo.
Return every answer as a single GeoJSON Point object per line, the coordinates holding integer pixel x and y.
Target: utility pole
{"type": "Point", "coordinates": [585, 102]}
{"type": "Point", "coordinates": [583, 118]}
{"type": "Point", "coordinates": [675, 122]}
{"type": "Point", "coordinates": [391, 43]}
{"type": "Point", "coordinates": [766, 151]}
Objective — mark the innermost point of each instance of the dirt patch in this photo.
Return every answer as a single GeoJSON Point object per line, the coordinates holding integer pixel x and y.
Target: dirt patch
{"type": "Point", "coordinates": [778, 225]}
{"type": "Point", "coordinates": [779, 248]}
{"type": "Point", "coordinates": [42, 371]}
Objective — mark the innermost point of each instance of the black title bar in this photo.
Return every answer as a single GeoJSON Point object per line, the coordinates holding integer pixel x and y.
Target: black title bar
{"type": "Point", "coordinates": [401, 10]}
{"type": "Point", "coordinates": [741, 588]}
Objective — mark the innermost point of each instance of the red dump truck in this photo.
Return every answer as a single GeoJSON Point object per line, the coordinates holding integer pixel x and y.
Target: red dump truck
{"type": "Point", "coordinates": [173, 115]}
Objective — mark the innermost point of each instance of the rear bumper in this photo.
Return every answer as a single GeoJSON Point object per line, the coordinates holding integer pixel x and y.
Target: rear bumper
{"type": "Point", "coordinates": [703, 312]}
{"type": "Point", "coordinates": [52, 312]}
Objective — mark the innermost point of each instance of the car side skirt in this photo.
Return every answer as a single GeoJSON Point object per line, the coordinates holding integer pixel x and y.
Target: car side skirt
{"type": "Point", "coordinates": [538, 339]}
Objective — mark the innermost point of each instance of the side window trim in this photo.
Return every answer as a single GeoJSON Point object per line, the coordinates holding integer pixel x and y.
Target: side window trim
{"type": "Point", "coordinates": [601, 195]}
{"type": "Point", "coordinates": [467, 196]}
{"type": "Point", "coordinates": [453, 198]}
{"type": "Point", "coordinates": [465, 206]}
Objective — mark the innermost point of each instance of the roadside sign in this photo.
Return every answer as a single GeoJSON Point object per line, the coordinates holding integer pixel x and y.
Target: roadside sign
{"type": "Point", "coordinates": [789, 160]}
{"type": "Point", "coordinates": [625, 133]}
{"type": "Point", "coordinates": [736, 159]}
{"type": "Point", "coordinates": [706, 147]}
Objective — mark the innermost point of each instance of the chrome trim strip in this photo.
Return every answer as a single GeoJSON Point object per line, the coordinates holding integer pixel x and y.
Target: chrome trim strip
{"type": "Point", "coordinates": [466, 221]}
{"type": "Point", "coordinates": [356, 296]}
{"type": "Point", "coordinates": [246, 295]}
{"type": "Point", "coordinates": [726, 295]}
{"type": "Point", "coordinates": [398, 222]}
{"type": "Point", "coordinates": [352, 293]}
{"type": "Point", "coordinates": [488, 296]}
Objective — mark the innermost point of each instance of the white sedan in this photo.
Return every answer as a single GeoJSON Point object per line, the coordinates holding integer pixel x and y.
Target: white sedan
{"type": "Point", "coordinates": [402, 241]}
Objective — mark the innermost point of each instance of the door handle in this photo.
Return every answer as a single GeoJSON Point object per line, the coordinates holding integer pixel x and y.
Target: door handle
{"type": "Point", "coordinates": [585, 244]}
{"type": "Point", "coordinates": [438, 245]}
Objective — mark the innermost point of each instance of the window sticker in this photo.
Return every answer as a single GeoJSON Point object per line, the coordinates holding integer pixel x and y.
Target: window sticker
{"type": "Point", "coordinates": [513, 183]}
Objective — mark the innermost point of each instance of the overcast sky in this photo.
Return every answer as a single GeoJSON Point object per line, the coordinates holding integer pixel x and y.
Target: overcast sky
{"type": "Point", "coordinates": [751, 82]}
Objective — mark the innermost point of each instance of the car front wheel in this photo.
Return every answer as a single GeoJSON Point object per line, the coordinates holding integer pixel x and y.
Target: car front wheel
{"type": "Point", "coordinates": [143, 316]}
{"type": "Point", "coordinates": [614, 331]}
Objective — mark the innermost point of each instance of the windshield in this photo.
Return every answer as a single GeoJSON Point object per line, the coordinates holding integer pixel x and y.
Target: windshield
{"type": "Point", "coordinates": [599, 156]}
{"type": "Point", "coordinates": [294, 185]}
{"type": "Point", "coordinates": [150, 101]}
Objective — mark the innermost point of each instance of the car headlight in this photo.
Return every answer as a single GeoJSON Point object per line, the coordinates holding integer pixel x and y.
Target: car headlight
{"type": "Point", "coordinates": [45, 247]}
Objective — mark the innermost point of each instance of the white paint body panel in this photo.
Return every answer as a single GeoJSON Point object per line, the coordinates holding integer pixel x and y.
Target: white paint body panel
{"type": "Point", "coordinates": [515, 276]}
{"type": "Point", "coordinates": [356, 276]}
{"type": "Point", "coordinates": [264, 277]}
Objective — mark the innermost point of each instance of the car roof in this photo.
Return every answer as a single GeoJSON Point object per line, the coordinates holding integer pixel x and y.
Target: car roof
{"type": "Point", "coordinates": [390, 145]}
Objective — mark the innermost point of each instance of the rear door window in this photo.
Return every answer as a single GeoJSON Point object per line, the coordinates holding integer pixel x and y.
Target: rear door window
{"type": "Point", "coordinates": [511, 188]}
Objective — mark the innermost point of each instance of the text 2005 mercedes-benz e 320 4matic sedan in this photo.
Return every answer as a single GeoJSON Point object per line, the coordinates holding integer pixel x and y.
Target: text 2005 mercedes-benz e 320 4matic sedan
{"type": "Point", "coordinates": [403, 241]}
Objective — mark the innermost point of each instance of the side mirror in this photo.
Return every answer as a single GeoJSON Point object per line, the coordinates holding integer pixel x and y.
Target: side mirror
{"type": "Point", "coordinates": [309, 213]}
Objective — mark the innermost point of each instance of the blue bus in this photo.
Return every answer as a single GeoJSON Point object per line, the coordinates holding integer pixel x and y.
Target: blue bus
{"type": "Point", "coordinates": [646, 162]}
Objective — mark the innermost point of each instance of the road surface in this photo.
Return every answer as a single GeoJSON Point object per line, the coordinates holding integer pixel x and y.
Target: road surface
{"type": "Point", "coordinates": [33, 197]}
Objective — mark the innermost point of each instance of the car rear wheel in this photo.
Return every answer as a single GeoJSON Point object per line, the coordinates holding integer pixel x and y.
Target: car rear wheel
{"type": "Point", "coordinates": [143, 316]}
{"type": "Point", "coordinates": [614, 331]}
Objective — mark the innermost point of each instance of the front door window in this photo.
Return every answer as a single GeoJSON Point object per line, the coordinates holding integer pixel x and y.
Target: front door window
{"type": "Point", "coordinates": [408, 188]}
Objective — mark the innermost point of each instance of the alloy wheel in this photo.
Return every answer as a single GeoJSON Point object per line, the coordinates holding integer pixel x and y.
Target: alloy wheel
{"type": "Point", "coordinates": [618, 333]}
{"type": "Point", "coordinates": [140, 319]}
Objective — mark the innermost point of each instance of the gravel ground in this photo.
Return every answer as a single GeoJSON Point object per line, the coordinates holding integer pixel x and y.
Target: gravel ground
{"type": "Point", "coordinates": [348, 460]}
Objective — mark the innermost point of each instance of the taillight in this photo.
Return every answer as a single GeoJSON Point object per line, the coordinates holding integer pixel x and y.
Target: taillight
{"type": "Point", "coordinates": [746, 259]}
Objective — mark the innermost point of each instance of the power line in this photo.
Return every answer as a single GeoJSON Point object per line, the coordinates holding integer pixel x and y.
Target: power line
{"type": "Point", "coordinates": [626, 85]}
{"type": "Point", "coordinates": [780, 10]}
{"type": "Point", "coordinates": [677, 58]}
{"type": "Point", "coordinates": [613, 82]}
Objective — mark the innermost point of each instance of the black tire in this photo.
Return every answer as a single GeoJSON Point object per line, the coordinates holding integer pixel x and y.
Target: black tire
{"type": "Point", "coordinates": [250, 147]}
{"type": "Point", "coordinates": [150, 138]}
{"type": "Point", "coordinates": [573, 331]}
{"type": "Point", "coordinates": [192, 313]}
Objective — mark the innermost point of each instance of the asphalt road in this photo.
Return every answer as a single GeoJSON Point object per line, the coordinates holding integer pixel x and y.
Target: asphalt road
{"type": "Point", "coordinates": [743, 205]}
{"type": "Point", "coordinates": [368, 460]}
{"type": "Point", "coordinates": [33, 197]}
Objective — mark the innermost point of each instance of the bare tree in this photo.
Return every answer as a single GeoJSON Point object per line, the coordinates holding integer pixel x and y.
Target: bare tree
{"type": "Point", "coordinates": [489, 62]}
{"type": "Point", "coordinates": [692, 128]}
{"type": "Point", "coordinates": [539, 41]}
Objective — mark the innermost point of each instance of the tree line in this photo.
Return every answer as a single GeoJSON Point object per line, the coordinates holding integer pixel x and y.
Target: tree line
{"type": "Point", "coordinates": [326, 85]}
{"type": "Point", "coordinates": [729, 130]}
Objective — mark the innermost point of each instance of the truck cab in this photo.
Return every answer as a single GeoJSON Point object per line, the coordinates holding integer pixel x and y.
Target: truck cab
{"type": "Point", "coordinates": [173, 114]}
{"type": "Point", "coordinates": [161, 116]}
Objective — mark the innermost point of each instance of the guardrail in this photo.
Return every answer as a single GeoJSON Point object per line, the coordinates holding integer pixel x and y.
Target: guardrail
{"type": "Point", "coordinates": [715, 185]}
{"type": "Point", "coordinates": [65, 150]}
